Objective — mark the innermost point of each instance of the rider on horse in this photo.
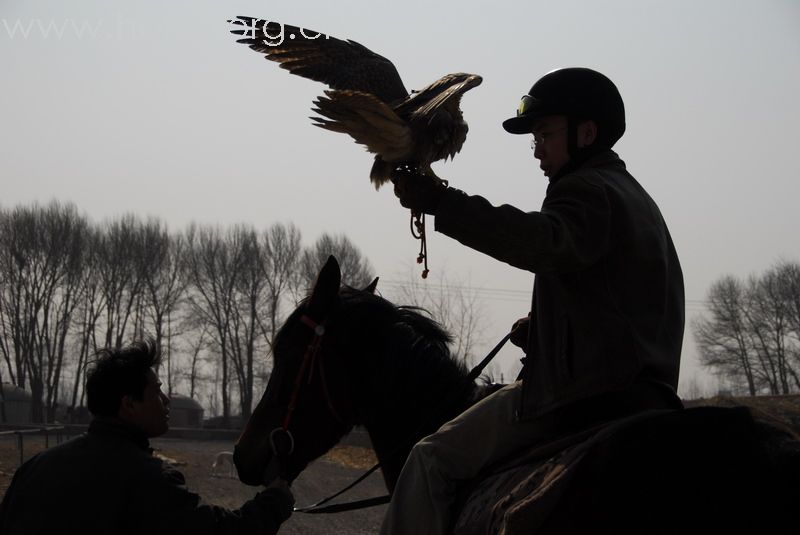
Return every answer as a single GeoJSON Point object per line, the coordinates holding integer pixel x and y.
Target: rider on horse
{"type": "Point", "coordinates": [603, 338]}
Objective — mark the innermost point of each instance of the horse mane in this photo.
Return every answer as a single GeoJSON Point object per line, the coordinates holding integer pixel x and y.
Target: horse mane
{"type": "Point", "coordinates": [394, 363]}
{"type": "Point", "coordinates": [402, 345]}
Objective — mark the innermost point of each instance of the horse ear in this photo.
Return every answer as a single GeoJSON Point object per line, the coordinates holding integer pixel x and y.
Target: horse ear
{"type": "Point", "coordinates": [326, 289]}
{"type": "Point", "coordinates": [372, 286]}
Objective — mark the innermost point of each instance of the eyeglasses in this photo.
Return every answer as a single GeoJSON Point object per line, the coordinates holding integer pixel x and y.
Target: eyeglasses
{"type": "Point", "coordinates": [541, 137]}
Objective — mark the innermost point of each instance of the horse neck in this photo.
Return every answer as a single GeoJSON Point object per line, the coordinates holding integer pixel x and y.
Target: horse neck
{"type": "Point", "coordinates": [418, 403]}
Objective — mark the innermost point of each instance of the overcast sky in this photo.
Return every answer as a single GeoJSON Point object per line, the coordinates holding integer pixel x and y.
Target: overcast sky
{"type": "Point", "coordinates": [152, 108]}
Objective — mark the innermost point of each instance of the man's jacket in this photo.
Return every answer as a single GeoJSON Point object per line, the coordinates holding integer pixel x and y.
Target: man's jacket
{"type": "Point", "coordinates": [608, 299]}
{"type": "Point", "coordinates": [108, 481]}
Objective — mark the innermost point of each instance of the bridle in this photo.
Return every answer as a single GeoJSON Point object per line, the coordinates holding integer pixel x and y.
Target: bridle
{"type": "Point", "coordinates": [281, 439]}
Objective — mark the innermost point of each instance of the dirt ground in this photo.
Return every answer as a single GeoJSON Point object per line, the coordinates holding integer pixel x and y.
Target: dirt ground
{"type": "Point", "coordinates": [195, 458]}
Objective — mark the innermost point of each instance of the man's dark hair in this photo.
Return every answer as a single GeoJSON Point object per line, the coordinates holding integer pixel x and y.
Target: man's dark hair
{"type": "Point", "coordinates": [118, 373]}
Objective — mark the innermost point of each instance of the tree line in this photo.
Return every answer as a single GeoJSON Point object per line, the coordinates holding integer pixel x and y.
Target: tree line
{"type": "Point", "coordinates": [212, 297]}
{"type": "Point", "coordinates": [751, 334]}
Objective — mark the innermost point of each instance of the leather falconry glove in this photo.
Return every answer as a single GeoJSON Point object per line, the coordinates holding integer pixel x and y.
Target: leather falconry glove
{"type": "Point", "coordinates": [418, 192]}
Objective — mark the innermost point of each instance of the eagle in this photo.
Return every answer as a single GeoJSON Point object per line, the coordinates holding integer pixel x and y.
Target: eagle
{"type": "Point", "coordinates": [367, 99]}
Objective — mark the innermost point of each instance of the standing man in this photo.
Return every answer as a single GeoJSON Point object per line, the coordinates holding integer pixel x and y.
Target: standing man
{"type": "Point", "coordinates": [108, 481]}
{"type": "Point", "coordinates": [604, 334]}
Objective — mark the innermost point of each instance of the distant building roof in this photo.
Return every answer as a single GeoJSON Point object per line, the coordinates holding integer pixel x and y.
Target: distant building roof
{"type": "Point", "coordinates": [14, 393]}
{"type": "Point", "coordinates": [178, 401]}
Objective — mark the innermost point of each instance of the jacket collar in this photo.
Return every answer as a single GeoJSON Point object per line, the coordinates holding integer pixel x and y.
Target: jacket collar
{"type": "Point", "coordinates": [595, 159]}
{"type": "Point", "coordinates": [117, 428]}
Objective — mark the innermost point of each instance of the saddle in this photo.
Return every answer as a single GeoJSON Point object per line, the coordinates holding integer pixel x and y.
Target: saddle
{"type": "Point", "coordinates": [654, 472]}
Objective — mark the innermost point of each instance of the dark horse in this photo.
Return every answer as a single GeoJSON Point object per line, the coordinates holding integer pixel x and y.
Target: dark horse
{"type": "Point", "coordinates": [347, 357]}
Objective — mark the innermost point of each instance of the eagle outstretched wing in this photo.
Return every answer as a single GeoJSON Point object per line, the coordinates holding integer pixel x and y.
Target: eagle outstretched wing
{"type": "Point", "coordinates": [322, 58]}
{"type": "Point", "coordinates": [367, 99]}
{"type": "Point", "coordinates": [368, 120]}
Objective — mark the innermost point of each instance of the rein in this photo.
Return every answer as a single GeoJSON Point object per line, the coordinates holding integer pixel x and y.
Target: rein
{"type": "Point", "coordinates": [378, 500]}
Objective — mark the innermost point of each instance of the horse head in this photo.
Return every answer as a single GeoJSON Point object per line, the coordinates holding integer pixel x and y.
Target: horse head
{"type": "Point", "coordinates": [307, 406]}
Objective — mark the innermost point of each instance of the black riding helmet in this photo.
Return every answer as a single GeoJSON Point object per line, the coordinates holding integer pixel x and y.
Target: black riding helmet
{"type": "Point", "coordinates": [578, 93]}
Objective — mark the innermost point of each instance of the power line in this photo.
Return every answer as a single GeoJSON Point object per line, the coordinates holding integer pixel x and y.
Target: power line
{"type": "Point", "coordinates": [501, 294]}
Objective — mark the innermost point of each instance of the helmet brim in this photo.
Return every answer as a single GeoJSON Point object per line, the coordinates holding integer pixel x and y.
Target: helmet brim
{"type": "Point", "coordinates": [523, 124]}
{"type": "Point", "coordinates": [519, 125]}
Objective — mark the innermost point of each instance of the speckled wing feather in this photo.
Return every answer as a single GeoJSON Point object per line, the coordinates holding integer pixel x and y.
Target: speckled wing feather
{"type": "Point", "coordinates": [370, 122]}
{"type": "Point", "coordinates": [422, 107]}
{"type": "Point", "coordinates": [344, 65]}
{"type": "Point", "coordinates": [447, 90]}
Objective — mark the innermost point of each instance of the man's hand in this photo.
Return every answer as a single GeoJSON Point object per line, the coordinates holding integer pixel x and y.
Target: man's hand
{"type": "Point", "coordinates": [519, 332]}
{"type": "Point", "coordinates": [416, 191]}
{"type": "Point", "coordinates": [280, 486]}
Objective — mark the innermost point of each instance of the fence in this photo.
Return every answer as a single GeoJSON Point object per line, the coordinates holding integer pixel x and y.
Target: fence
{"type": "Point", "coordinates": [20, 433]}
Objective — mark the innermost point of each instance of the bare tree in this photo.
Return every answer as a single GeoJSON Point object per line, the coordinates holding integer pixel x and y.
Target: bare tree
{"type": "Point", "coordinates": [216, 297]}
{"type": "Point", "coordinates": [8, 268]}
{"type": "Point", "coordinates": [89, 311]}
{"type": "Point", "coordinates": [723, 341]}
{"type": "Point", "coordinates": [356, 269]}
{"type": "Point", "coordinates": [164, 283]}
{"type": "Point", "coordinates": [751, 336]}
{"type": "Point", "coordinates": [197, 346]}
{"type": "Point", "coordinates": [788, 274]}
{"type": "Point", "coordinates": [246, 321]}
{"type": "Point", "coordinates": [767, 315]}
{"type": "Point", "coordinates": [121, 272]}
{"type": "Point", "coordinates": [42, 258]}
{"type": "Point", "coordinates": [281, 261]}
{"type": "Point", "coordinates": [213, 266]}
{"type": "Point", "coordinates": [72, 232]}
{"type": "Point", "coordinates": [455, 306]}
